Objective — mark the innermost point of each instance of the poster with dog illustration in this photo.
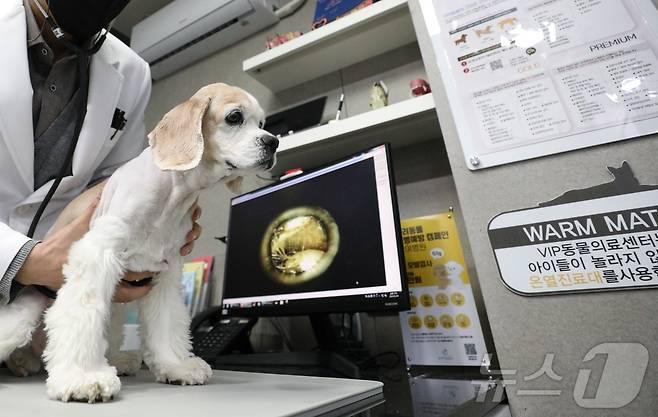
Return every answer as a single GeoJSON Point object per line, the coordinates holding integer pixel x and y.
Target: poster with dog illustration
{"type": "Point", "coordinates": [525, 79]}
{"type": "Point", "coordinates": [443, 326]}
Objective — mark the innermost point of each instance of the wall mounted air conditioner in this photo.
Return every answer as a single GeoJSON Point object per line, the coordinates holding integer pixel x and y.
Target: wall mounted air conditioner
{"type": "Point", "coordinates": [185, 31]}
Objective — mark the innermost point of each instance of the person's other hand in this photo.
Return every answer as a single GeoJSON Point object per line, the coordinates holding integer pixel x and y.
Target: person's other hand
{"type": "Point", "coordinates": [193, 234]}
{"type": "Point", "coordinates": [126, 292]}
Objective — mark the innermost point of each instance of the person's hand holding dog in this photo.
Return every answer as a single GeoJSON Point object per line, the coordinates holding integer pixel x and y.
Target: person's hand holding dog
{"type": "Point", "coordinates": [44, 263]}
{"type": "Point", "coordinates": [193, 234]}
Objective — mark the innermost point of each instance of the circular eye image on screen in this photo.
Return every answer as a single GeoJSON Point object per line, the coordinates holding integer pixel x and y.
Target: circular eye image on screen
{"type": "Point", "coordinates": [299, 245]}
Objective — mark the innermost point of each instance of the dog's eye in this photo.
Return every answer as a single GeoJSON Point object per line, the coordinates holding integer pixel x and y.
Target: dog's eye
{"type": "Point", "coordinates": [261, 124]}
{"type": "Point", "coordinates": [235, 118]}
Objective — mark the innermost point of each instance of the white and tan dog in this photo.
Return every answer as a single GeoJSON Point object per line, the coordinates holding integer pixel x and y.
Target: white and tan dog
{"type": "Point", "coordinates": [138, 225]}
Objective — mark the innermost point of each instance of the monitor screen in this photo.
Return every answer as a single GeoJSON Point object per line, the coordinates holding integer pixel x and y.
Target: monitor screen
{"type": "Point", "coordinates": [325, 241]}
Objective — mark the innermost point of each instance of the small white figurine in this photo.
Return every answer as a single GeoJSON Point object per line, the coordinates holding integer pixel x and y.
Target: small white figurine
{"type": "Point", "coordinates": [378, 95]}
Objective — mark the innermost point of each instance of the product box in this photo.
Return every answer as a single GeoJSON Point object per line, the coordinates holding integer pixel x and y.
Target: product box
{"type": "Point", "coordinates": [329, 10]}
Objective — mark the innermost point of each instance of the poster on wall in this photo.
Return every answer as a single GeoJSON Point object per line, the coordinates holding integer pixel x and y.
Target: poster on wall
{"type": "Point", "coordinates": [531, 78]}
{"type": "Point", "coordinates": [442, 327]}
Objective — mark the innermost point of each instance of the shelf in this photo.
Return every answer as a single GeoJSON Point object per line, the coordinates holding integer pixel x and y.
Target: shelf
{"type": "Point", "coordinates": [369, 32]}
{"type": "Point", "coordinates": [402, 124]}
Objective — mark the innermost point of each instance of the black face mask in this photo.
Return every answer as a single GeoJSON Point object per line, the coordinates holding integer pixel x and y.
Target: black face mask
{"type": "Point", "coordinates": [84, 18]}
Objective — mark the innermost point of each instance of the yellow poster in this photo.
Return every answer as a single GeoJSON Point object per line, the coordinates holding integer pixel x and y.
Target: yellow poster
{"type": "Point", "coordinates": [442, 327]}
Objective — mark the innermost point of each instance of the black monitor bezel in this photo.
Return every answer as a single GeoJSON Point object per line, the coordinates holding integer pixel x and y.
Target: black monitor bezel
{"type": "Point", "coordinates": [342, 304]}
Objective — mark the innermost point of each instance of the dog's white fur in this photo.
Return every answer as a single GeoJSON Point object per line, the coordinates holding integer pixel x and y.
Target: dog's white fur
{"type": "Point", "coordinates": [139, 224]}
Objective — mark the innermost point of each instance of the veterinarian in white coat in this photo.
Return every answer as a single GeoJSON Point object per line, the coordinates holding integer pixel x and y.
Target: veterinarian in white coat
{"type": "Point", "coordinates": [118, 79]}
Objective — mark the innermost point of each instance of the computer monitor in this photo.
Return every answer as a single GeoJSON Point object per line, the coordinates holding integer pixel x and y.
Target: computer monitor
{"type": "Point", "coordinates": [325, 241]}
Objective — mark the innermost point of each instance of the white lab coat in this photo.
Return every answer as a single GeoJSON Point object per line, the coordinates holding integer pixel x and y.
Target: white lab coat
{"type": "Point", "coordinates": [118, 79]}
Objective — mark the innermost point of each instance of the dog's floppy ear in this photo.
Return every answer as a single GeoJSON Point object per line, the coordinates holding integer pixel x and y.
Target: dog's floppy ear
{"type": "Point", "coordinates": [235, 185]}
{"type": "Point", "coordinates": [177, 140]}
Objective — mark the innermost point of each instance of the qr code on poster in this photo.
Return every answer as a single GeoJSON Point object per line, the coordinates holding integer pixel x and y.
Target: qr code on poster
{"type": "Point", "coordinates": [470, 349]}
{"type": "Point", "coordinates": [496, 65]}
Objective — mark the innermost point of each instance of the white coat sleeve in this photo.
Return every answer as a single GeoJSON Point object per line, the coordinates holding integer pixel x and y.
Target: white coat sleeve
{"type": "Point", "coordinates": [133, 138]}
{"type": "Point", "coordinates": [11, 244]}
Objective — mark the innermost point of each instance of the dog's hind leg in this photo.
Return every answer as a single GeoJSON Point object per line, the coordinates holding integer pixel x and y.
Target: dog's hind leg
{"type": "Point", "coordinates": [126, 362]}
{"type": "Point", "coordinates": [76, 323]}
{"type": "Point", "coordinates": [165, 331]}
{"type": "Point", "coordinates": [18, 320]}
{"type": "Point", "coordinates": [26, 360]}
{"type": "Point", "coordinates": [23, 361]}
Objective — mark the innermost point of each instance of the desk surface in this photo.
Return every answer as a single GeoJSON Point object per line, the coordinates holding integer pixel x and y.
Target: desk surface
{"type": "Point", "coordinates": [239, 394]}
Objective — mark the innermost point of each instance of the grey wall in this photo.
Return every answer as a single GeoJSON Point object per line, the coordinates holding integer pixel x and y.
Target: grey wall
{"type": "Point", "coordinates": [422, 170]}
{"type": "Point", "coordinates": [526, 329]}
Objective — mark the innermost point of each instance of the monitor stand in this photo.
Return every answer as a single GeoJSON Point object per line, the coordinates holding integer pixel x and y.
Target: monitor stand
{"type": "Point", "coordinates": [325, 361]}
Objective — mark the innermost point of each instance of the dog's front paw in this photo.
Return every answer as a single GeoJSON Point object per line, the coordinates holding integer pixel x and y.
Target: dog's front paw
{"type": "Point", "coordinates": [190, 371]}
{"type": "Point", "coordinates": [79, 385]}
{"type": "Point", "coordinates": [127, 363]}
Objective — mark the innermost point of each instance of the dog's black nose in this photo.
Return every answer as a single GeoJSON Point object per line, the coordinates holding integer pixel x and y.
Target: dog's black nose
{"type": "Point", "coordinates": [270, 142]}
